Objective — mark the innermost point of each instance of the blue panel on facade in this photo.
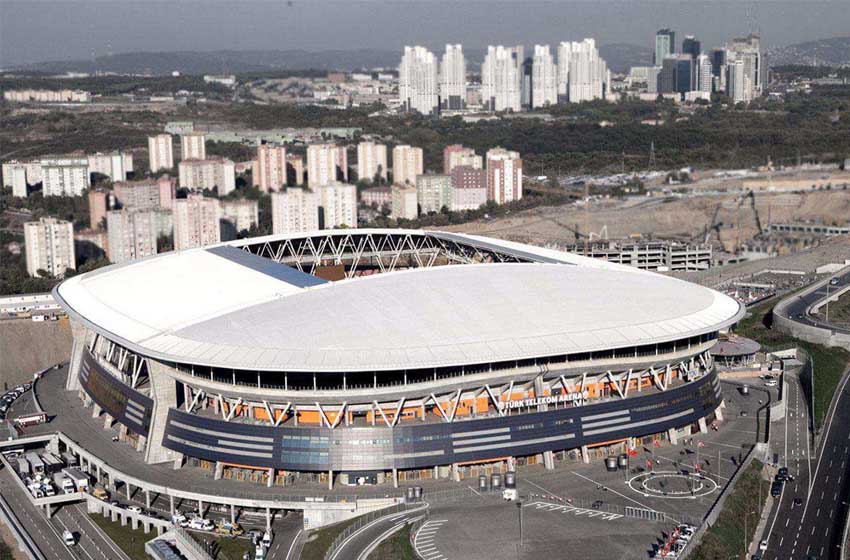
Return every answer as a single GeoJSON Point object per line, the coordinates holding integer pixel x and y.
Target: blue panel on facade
{"type": "Point", "coordinates": [267, 266]}
{"type": "Point", "coordinates": [126, 405]}
{"type": "Point", "coordinates": [410, 446]}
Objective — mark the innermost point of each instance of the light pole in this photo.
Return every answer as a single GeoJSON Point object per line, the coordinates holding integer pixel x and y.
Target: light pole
{"type": "Point", "coordinates": [519, 508]}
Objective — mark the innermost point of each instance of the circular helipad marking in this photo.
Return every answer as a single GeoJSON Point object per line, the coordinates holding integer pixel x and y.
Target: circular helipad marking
{"type": "Point", "coordinates": [671, 484]}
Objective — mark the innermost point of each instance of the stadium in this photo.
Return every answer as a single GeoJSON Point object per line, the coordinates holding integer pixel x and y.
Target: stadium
{"type": "Point", "coordinates": [360, 355]}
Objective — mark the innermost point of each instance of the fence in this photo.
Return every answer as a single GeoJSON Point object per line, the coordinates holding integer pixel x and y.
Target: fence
{"type": "Point", "coordinates": [359, 523]}
{"type": "Point", "coordinates": [185, 540]}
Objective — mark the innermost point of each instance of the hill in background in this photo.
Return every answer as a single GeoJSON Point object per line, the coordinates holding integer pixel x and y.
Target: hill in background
{"type": "Point", "coordinates": [823, 52]}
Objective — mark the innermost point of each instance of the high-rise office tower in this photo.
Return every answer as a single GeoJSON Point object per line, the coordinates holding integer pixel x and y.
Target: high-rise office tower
{"type": "Point", "coordinates": [295, 211]}
{"type": "Point", "coordinates": [665, 45]}
{"type": "Point", "coordinates": [326, 163]}
{"type": "Point", "coordinates": [738, 86]}
{"type": "Point", "coordinates": [544, 80]}
{"type": "Point", "coordinates": [418, 86]}
{"type": "Point", "coordinates": [196, 221]}
{"type": "Point", "coordinates": [504, 176]}
{"type": "Point", "coordinates": [193, 146]}
{"type": "Point", "coordinates": [704, 72]}
{"type": "Point", "coordinates": [718, 69]}
{"type": "Point", "coordinates": [589, 77]}
{"type": "Point", "coordinates": [453, 79]}
{"type": "Point", "coordinates": [676, 74]}
{"type": "Point", "coordinates": [501, 78]}
{"type": "Point", "coordinates": [160, 152]}
{"type": "Point", "coordinates": [271, 167]}
{"type": "Point", "coordinates": [691, 46]}
{"type": "Point", "coordinates": [407, 164]}
{"type": "Point", "coordinates": [748, 50]}
{"type": "Point", "coordinates": [371, 161]}
{"type": "Point", "coordinates": [49, 244]}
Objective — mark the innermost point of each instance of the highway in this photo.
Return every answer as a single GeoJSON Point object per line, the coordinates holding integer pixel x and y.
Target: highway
{"type": "Point", "coordinates": [797, 309]}
{"type": "Point", "coordinates": [364, 540]}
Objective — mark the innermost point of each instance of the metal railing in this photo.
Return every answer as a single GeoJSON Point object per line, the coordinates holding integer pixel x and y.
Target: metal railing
{"type": "Point", "coordinates": [185, 540]}
{"type": "Point", "coordinates": [358, 524]}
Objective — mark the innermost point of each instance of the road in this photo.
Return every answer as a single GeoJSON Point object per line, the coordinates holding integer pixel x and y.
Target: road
{"type": "Point", "coordinates": [797, 309]}
{"type": "Point", "coordinates": [361, 542]}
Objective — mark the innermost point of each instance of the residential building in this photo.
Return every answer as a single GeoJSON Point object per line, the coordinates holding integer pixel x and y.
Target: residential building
{"type": "Point", "coordinates": [49, 246]}
{"type": "Point", "coordinates": [418, 81]}
{"type": "Point", "coordinates": [371, 161]}
{"type": "Point", "coordinates": [193, 145]}
{"type": "Point", "coordinates": [456, 155]}
{"type": "Point", "coordinates": [138, 195]}
{"type": "Point", "coordinates": [295, 211]}
{"type": "Point", "coordinates": [294, 170]}
{"type": "Point", "coordinates": [90, 244]}
{"type": "Point", "coordinates": [132, 234]}
{"type": "Point", "coordinates": [114, 165]}
{"type": "Point", "coordinates": [15, 176]}
{"type": "Point", "coordinates": [453, 79]}
{"type": "Point", "coordinates": [405, 204]}
{"type": "Point", "coordinates": [501, 78]}
{"type": "Point", "coordinates": [526, 82]}
{"type": "Point", "coordinates": [377, 196]}
{"type": "Point", "coordinates": [407, 164]}
{"type": "Point", "coordinates": [665, 45]}
{"type": "Point", "coordinates": [326, 163]}
{"type": "Point", "coordinates": [271, 167]}
{"type": "Point", "coordinates": [469, 188]}
{"type": "Point", "coordinates": [200, 174]}
{"type": "Point", "coordinates": [241, 214]}
{"type": "Point", "coordinates": [588, 77]}
{"type": "Point", "coordinates": [433, 192]}
{"type": "Point", "coordinates": [338, 202]}
{"type": "Point", "coordinates": [64, 176]}
{"type": "Point", "coordinates": [544, 79]}
{"type": "Point", "coordinates": [196, 221]}
{"type": "Point", "coordinates": [160, 152]}
{"type": "Point", "coordinates": [167, 191]}
{"type": "Point", "coordinates": [99, 205]}
{"type": "Point", "coordinates": [504, 176]}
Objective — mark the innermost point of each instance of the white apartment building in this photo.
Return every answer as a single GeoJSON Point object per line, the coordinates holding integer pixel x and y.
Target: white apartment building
{"type": "Point", "coordinates": [295, 211]}
{"type": "Point", "coordinates": [114, 165]}
{"type": "Point", "coordinates": [64, 177]}
{"type": "Point", "coordinates": [339, 205]}
{"type": "Point", "coordinates": [501, 79]}
{"type": "Point", "coordinates": [371, 161]}
{"type": "Point", "coordinates": [15, 176]}
{"type": "Point", "coordinates": [132, 234]}
{"type": "Point", "coordinates": [49, 246]}
{"type": "Point", "coordinates": [326, 163]}
{"type": "Point", "coordinates": [453, 79]}
{"type": "Point", "coordinates": [243, 214]}
{"type": "Point", "coordinates": [587, 74]}
{"type": "Point", "coordinates": [160, 152]}
{"type": "Point", "coordinates": [433, 192]}
{"type": "Point", "coordinates": [196, 221]}
{"type": "Point", "coordinates": [193, 146]}
{"type": "Point", "coordinates": [407, 164]}
{"type": "Point", "coordinates": [544, 78]}
{"type": "Point", "coordinates": [504, 176]}
{"type": "Point", "coordinates": [456, 155]}
{"type": "Point", "coordinates": [418, 81]}
{"type": "Point", "coordinates": [270, 168]}
{"type": "Point", "coordinates": [200, 174]}
{"type": "Point", "coordinates": [405, 202]}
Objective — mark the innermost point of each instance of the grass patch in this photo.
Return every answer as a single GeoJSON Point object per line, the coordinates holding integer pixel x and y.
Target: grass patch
{"type": "Point", "coordinates": [397, 547]}
{"type": "Point", "coordinates": [839, 311]}
{"type": "Point", "coordinates": [726, 538]}
{"type": "Point", "coordinates": [322, 539]}
{"type": "Point", "coordinates": [5, 551]}
{"type": "Point", "coordinates": [224, 548]}
{"type": "Point", "coordinates": [830, 363]}
{"type": "Point", "coordinates": [130, 541]}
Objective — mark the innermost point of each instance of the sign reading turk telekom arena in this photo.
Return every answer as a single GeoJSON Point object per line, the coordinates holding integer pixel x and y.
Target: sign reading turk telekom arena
{"type": "Point", "coordinates": [578, 398]}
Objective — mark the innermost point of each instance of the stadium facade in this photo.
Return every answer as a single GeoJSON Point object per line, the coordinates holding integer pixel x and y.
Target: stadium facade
{"type": "Point", "coordinates": [369, 352]}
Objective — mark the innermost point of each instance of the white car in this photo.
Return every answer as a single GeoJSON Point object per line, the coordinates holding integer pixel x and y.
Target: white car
{"type": "Point", "coordinates": [134, 509]}
{"type": "Point", "coordinates": [201, 524]}
{"type": "Point", "coordinates": [763, 545]}
{"type": "Point", "coordinates": [770, 383]}
{"type": "Point", "coordinates": [68, 538]}
{"type": "Point", "coordinates": [180, 519]}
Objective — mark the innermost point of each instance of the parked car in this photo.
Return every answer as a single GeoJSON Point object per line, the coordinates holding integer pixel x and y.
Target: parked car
{"type": "Point", "coordinates": [134, 509]}
{"type": "Point", "coordinates": [771, 383]}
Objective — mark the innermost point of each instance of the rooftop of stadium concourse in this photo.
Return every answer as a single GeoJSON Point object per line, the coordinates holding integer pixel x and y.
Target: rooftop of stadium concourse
{"type": "Point", "coordinates": [220, 308]}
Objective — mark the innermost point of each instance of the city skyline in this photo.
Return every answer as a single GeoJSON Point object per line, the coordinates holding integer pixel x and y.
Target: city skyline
{"type": "Point", "coordinates": [388, 25]}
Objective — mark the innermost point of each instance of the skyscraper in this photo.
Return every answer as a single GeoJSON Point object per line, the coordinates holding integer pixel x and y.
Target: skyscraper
{"type": "Point", "coordinates": [748, 50]}
{"type": "Point", "coordinates": [504, 176]}
{"type": "Point", "coordinates": [691, 46]}
{"type": "Point", "coordinates": [665, 45]}
{"type": "Point", "coordinates": [527, 82]}
{"type": "Point", "coordinates": [418, 81]}
{"type": "Point", "coordinates": [705, 74]}
{"type": "Point", "coordinates": [565, 49]}
{"type": "Point", "coordinates": [738, 87]}
{"type": "Point", "coordinates": [271, 167]}
{"type": "Point", "coordinates": [501, 79]}
{"type": "Point", "coordinates": [160, 152]}
{"type": "Point", "coordinates": [295, 211]}
{"type": "Point", "coordinates": [49, 244]}
{"type": "Point", "coordinates": [544, 81]}
{"type": "Point", "coordinates": [453, 79]}
{"type": "Point", "coordinates": [676, 74]}
{"type": "Point", "coordinates": [407, 164]}
{"type": "Point", "coordinates": [588, 74]}
{"type": "Point", "coordinates": [371, 161]}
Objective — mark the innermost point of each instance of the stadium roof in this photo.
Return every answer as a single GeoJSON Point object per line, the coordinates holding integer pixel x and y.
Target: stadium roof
{"type": "Point", "coordinates": [225, 307]}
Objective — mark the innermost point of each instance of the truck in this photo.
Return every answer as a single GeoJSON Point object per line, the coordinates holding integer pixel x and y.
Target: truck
{"type": "Point", "coordinates": [52, 463]}
{"type": "Point", "coordinates": [36, 464]}
{"type": "Point", "coordinates": [31, 419]}
{"type": "Point", "coordinates": [231, 529]}
{"type": "Point", "coordinates": [69, 458]}
{"type": "Point", "coordinates": [100, 493]}
{"type": "Point", "coordinates": [24, 468]}
{"type": "Point", "coordinates": [65, 484]}
{"type": "Point", "coordinates": [79, 479]}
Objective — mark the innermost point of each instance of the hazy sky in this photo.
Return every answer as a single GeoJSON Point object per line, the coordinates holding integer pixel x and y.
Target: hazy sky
{"type": "Point", "coordinates": [40, 30]}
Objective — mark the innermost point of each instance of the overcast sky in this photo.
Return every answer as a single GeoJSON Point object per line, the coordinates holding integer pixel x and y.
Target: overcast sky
{"type": "Point", "coordinates": [41, 30]}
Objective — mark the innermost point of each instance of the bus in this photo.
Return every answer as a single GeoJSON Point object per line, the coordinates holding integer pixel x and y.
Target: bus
{"type": "Point", "coordinates": [31, 420]}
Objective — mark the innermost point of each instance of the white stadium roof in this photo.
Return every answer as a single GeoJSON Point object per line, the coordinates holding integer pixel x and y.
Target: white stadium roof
{"type": "Point", "coordinates": [225, 307]}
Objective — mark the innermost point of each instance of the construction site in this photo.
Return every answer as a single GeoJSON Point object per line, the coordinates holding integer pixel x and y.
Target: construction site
{"type": "Point", "coordinates": [710, 220]}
